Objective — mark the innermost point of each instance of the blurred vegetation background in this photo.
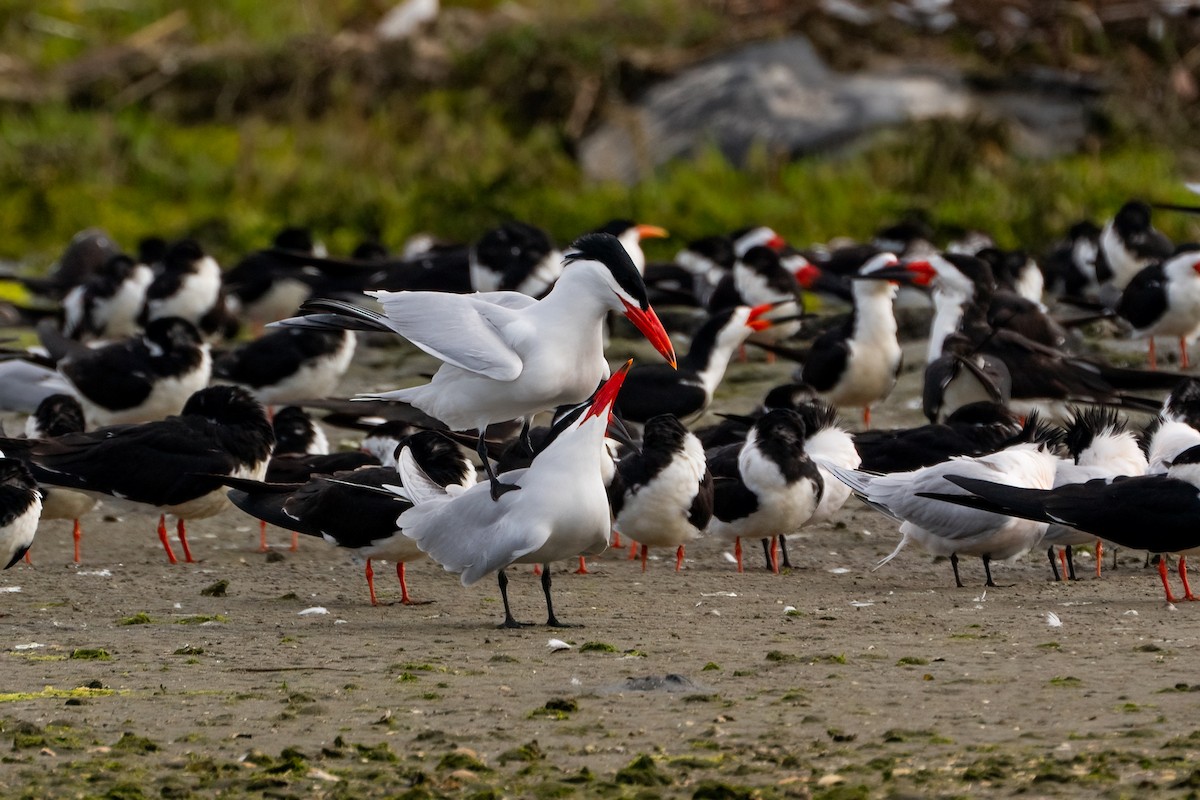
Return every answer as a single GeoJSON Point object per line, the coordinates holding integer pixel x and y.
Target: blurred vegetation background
{"type": "Point", "coordinates": [227, 119]}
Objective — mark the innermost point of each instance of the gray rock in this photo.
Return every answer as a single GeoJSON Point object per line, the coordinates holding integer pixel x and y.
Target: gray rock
{"type": "Point", "coordinates": [782, 97]}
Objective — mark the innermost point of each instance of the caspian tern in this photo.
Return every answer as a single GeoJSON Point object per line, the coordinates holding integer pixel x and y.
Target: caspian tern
{"type": "Point", "coordinates": [561, 511]}
{"type": "Point", "coordinates": [506, 355]}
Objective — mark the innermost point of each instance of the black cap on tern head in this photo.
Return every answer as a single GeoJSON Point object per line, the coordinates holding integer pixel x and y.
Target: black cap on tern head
{"type": "Point", "coordinates": [608, 250]}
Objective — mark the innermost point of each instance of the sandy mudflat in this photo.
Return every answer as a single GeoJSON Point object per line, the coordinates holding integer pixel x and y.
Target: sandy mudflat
{"type": "Point", "coordinates": [879, 684]}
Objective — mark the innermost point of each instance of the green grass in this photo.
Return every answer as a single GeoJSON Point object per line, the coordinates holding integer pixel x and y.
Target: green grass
{"type": "Point", "coordinates": [487, 139]}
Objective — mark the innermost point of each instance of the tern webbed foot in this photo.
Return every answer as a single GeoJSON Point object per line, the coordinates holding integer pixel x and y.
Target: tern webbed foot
{"type": "Point", "coordinates": [553, 622]}
{"type": "Point", "coordinates": [512, 623]}
{"type": "Point", "coordinates": [499, 489]}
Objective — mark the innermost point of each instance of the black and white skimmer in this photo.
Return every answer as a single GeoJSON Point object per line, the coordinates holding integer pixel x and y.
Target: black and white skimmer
{"type": "Point", "coordinates": [1100, 447]}
{"type": "Point", "coordinates": [1129, 242]}
{"type": "Point", "coordinates": [903, 497]}
{"type": "Point", "coordinates": [630, 234]}
{"type": "Point", "coordinates": [1163, 299]}
{"type": "Point", "coordinates": [759, 278]}
{"type": "Point", "coordinates": [666, 497]}
{"type": "Point", "coordinates": [687, 390]}
{"type": "Point", "coordinates": [561, 512]}
{"type": "Point", "coordinates": [146, 377]}
{"type": "Point", "coordinates": [57, 415]}
{"type": "Point", "coordinates": [187, 285]}
{"type": "Point", "coordinates": [288, 365]}
{"type": "Point", "coordinates": [20, 510]}
{"type": "Point", "coordinates": [297, 433]}
{"type": "Point", "coordinates": [351, 509]}
{"type": "Point", "coordinates": [168, 465]}
{"type": "Point", "coordinates": [264, 286]}
{"type": "Point", "coordinates": [506, 355]}
{"type": "Point", "coordinates": [1151, 512]}
{"type": "Point", "coordinates": [963, 376]}
{"type": "Point", "coordinates": [515, 257]}
{"type": "Point", "coordinates": [856, 364]}
{"type": "Point", "coordinates": [107, 306]}
{"type": "Point", "coordinates": [766, 486]}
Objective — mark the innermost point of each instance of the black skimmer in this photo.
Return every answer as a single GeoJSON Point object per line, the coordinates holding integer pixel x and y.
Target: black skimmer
{"type": "Point", "coordinates": [732, 428]}
{"type": "Point", "coordinates": [1150, 512]}
{"type": "Point", "coordinates": [187, 285]}
{"type": "Point", "coordinates": [630, 234]}
{"type": "Point", "coordinates": [759, 278]}
{"type": "Point", "coordinates": [666, 497]}
{"type": "Point", "coordinates": [515, 257]}
{"type": "Point", "coordinates": [172, 466]}
{"type": "Point", "coordinates": [57, 415]}
{"type": "Point", "coordinates": [561, 512]}
{"type": "Point", "coordinates": [972, 430]}
{"type": "Point", "coordinates": [1042, 376]}
{"type": "Point", "coordinates": [1163, 299]}
{"type": "Point", "coordinates": [288, 365]}
{"type": "Point", "coordinates": [146, 377]}
{"type": "Point", "coordinates": [1016, 272]}
{"type": "Point", "coordinates": [264, 286]}
{"type": "Point", "coordinates": [107, 305]}
{"type": "Point", "coordinates": [296, 432]}
{"type": "Point", "coordinates": [506, 355]}
{"type": "Point", "coordinates": [20, 510]}
{"type": "Point", "coordinates": [1100, 447]}
{"type": "Point", "coordinates": [1129, 242]}
{"type": "Point", "coordinates": [706, 261]}
{"type": "Point", "coordinates": [903, 496]}
{"type": "Point", "coordinates": [687, 390]}
{"type": "Point", "coordinates": [351, 509]}
{"type": "Point", "coordinates": [857, 363]}
{"type": "Point", "coordinates": [88, 251]}
{"type": "Point", "coordinates": [962, 376]}
{"type": "Point", "coordinates": [1071, 266]}
{"type": "Point", "coordinates": [766, 486]}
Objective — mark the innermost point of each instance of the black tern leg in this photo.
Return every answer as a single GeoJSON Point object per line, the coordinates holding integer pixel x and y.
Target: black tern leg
{"type": "Point", "coordinates": [1053, 566]}
{"type": "Point", "coordinates": [767, 551]}
{"type": "Point", "coordinates": [954, 563]}
{"type": "Point", "coordinates": [509, 622]}
{"type": "Point", "coordinates": [1071, 563]}
{"type": "Point", "coordinates": [497, 487]}
{"type": "Point", "coordinates": [987, 570]}
{"type": "Point", "coordinates": [551, 620]}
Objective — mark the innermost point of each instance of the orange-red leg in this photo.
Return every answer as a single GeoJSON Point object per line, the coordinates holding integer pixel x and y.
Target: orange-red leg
{"type": "Point", "coordinates": [583, 570]}
{"type": "Point", "coordinates": [370, 573]}
{"type": "Point", "coordinates": [1153, 365]}
{"type": "Point", "coordinates": [28, 560]}
{"type": "Point", "coordinates": [162, 537]}
{"type": "Point", "coordinates": [679, 558]}
{"type": "Point", "coordinates": [737, 553]}
{"type": "Point", "coordinates": [537, 569]}
{"type": "Point", "coordinates": [1099, 556]}
{"type": "Point", "coordinates": [1162, 573]}
{"type": "Point", "coordinates": [867, 417]}
{"type": "Point", "coordinates": [181, 532]}
{"type": "Point", "coordinates": [645, 555]}
{"type": "Point", "coordinates": [616, 539]}
{"type": "Point", "coordinates": [775, 554]}
{"type": "Point", "coordinates": [1187, 590]}
{"type": "Point", "coordinates": [633, 549]}
{"type": "Point", "coordinates": [1183, 355]}
{"type": "Point", "coordinates": [262, 536]}
{"type": "Point", "coordinates": [76, 534]}
{"type": "Point", "coordinates": [1062, 560]}
{"type": "Point", "coordinates": [295, 542]}
{"type": "Point", "coordinates": [405, 598]}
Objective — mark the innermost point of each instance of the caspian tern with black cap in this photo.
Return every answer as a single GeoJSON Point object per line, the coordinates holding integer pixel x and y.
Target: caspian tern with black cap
{"type": "Point", "coordinates": [561, 512]}
{"type": "Point", "coordinates": [506, 355]}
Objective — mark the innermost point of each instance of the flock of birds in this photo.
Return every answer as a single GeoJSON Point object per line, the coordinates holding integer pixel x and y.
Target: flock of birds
{"type": "Point", "coordinates": [146, 393]}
